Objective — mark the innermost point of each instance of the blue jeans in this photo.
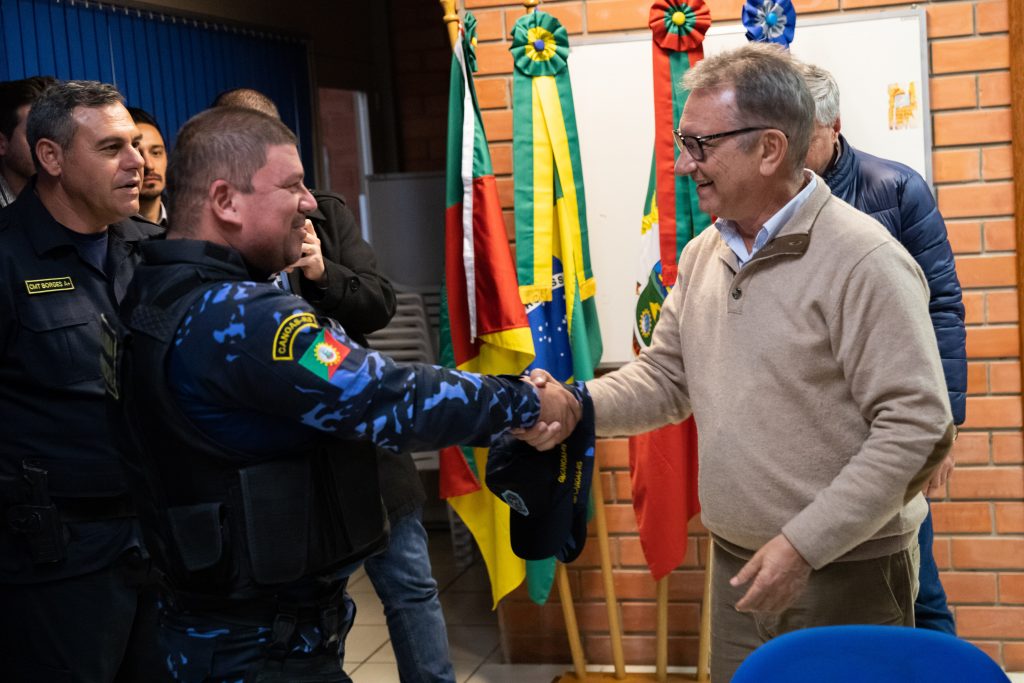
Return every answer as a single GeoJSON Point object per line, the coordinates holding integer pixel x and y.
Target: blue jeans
{"type": "Point", "coordinates": [930, 609]}
{"type": "Point", "coordinates": [403, 581]}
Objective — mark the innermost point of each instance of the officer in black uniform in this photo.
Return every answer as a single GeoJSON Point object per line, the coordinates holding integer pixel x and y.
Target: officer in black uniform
{"type": "Point", "coordinates": [234, 395]}
{"type": "Point", "coordinates": [71, 567]}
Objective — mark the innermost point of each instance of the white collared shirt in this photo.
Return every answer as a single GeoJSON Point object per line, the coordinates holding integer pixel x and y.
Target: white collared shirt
{"type": "Point", "coordinates": [732, 237]}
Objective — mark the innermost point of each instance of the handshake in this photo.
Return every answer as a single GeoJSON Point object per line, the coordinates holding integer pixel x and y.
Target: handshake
{"type": "Point", "coordinates": [560, 410]}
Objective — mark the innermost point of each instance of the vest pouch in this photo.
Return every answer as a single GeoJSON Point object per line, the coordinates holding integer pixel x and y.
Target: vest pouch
{"type": "Point", "coordinates": [197, 534]}
{"type": "Point", "coordinates": [275, 502]}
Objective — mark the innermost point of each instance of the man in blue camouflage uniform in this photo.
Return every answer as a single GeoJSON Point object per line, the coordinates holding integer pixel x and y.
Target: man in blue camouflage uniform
{"type": "Point", "coordinates": [234, 393]}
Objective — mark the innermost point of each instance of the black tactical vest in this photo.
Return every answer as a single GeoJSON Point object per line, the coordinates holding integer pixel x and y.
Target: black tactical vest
{"type": "Point", "coordinates": [215, 529]}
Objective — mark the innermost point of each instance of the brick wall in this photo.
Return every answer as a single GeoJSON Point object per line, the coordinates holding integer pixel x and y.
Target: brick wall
{"type": "Point", "coordinates": [980, 521]}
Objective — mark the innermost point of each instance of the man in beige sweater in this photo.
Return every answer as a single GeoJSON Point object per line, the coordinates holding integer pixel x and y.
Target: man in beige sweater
{"type": "Point", "coordinates": [798, 336]}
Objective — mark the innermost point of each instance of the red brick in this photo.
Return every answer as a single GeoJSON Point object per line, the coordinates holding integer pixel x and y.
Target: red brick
{"type": "Point", "coordinates": [623, 487]}
{"type": "Point", "coordinates": [570, 14]}
{"type": "Point", "coordinates": [970, 54]}
{"type": "Point", "coordinates": [530, 618]}
{"type": "Point", "coordinates": [631, 553]}
{"type": "Point", "coordinates": [976, 199]}
{"type": "Point", "coordinates": [856, 4]}
{"type": "Point", "coordinates": [616, 15]}
{"type": "Point", "coordinates": [1007, 447]}
{"type": "Point", "coordinates": [1004, 377]}
{"type": "Point", "coordinates": [492, 93]}
{"type": "Point", "coordinates": [506, 191]}
{"type": "Point", "coordinates": [993, 17]}
{"type": "Point", "coordinates": [989, 622]}
{"type": "Point", "coordinates": [1011, 589]}
{"type": "Point", "coordinates": [953, 92]}
{"type": "Point", "coordinates": [724, 10]}
{"type": "Point", "coordinates": [991, 648]}
{"type": "Point", "coordinates": [642, 617]}
{"type": "Point", "coordinates": [501, 159]}
{"type": "Point", "coordinates": [988, 553]}
{"type": "Point", "coordinates": [1001, 307]}
{"type": "Point", "coordinates": [992, 342]}
{"type": "Point", "coordinates": [620, 518]}
{"type": "Point", "coordinates": [490, 24]}
{"type": "Point", "coordinates": [942, 552]}
{"type": "Point", "coordinates": [996, 163]}
{"type": "Point", "coordinates": [803, 7]}
{"type": "Point", "coordinates": [962, 518]}
{"type": "Point", "coordinates": [473, 4]}
{"type": "Point", "coordinates": [637, 650]}
{"type": "Point", "coordinates": [493, 58]}
{"type": "Point", "coordinates": [685, 585]}
{"type": "Point", "coordinates": [977, 379]}
{"type": "Point", "coordinates": [994, 88]}
{"type": "Point", "coordinates": [999, 235]}
{"type": "Point", "coordinates": [1009, 517]}
{"type": "Point", "coordinates": [972, 126]}
{"type": "Point", "coordinates": [987, 271]}
{"type": "Point", "coordinates": [988, 482]}
{"type": "Point", "coordinates": [956, 165]}
{"type": "Point", "coordinates": [497, 124]}
{"type": "Point", "coordinates": [969, 587]}
{"type": "Point", "coordinates": [1013, 656]}
{"type": "Point", "coordinates": [612, 453]}
{"type": "Point", "coordinates": [950, 19]}
{"type": "Point", "coordinates": [971, 448]}
{"type": "Point", "coordinates": [974, 307]}
{"type": "Point", "coordinates": [993, 412]}
{"type": "Point", "coordinates": [964, 236]}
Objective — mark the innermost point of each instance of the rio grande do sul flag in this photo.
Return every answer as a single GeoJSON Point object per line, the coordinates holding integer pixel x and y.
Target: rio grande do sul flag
{"type": "Point", "coordinates": [484, 324]}
{"type": "Point", "coordinates": [663, 463]}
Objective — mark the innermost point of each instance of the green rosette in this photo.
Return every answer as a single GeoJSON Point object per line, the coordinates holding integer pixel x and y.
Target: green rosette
{"type": "Point", "coordinates": [540, 45]}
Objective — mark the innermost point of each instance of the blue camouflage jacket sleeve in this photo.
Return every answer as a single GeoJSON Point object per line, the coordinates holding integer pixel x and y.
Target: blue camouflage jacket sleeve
{"type": "Point", "coordinates": [253, 348]}
{"type": "Point", "coordinates": [923, 233]}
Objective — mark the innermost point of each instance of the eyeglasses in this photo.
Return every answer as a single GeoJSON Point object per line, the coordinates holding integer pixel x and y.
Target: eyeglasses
{"type": "Point", "coordinates": [694, 144]}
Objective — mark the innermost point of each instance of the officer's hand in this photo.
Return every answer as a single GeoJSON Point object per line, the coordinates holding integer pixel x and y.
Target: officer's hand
{"type": "Point", "coordinates": [311, 263]}
{"type": "Point", "coordinates": [779, 575]}
{"type": "Point", "coordinates": [559, 413]}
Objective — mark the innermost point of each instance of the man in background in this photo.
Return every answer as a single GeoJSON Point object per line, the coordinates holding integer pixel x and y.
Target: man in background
{"type": "Point", "coordinates": [16, 167]}
{"type": "Point", "coordinates": [344, 284]}
{"type": "Point", "coordinates": [899, 198]}
{"type": "Point", "coordinates": [154, 170]}
{"type": "Point", "coordinates": [77, 605]}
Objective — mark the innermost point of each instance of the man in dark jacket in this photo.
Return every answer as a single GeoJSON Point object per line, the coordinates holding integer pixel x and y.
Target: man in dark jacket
{"type": "Point", "coordinates": [900, 199]}
{"type": "Point", "coordinates": [72, 570]}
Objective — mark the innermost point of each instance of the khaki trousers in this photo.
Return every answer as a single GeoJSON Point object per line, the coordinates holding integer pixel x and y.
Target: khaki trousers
{"type": "Point", "coordinates": [875, 591]}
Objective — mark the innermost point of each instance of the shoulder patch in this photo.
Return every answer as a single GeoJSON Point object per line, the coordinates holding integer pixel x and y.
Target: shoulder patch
{"type": "Point", "coordinates": [324, 355]}
{"type": "Point", "coordinates": [284, 338]}
{"type": "Point", "coordinates": [50, 284]}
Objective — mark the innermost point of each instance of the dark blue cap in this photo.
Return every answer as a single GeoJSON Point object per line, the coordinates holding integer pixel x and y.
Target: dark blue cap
{"type": "Point", "coordinates": [548, 491]}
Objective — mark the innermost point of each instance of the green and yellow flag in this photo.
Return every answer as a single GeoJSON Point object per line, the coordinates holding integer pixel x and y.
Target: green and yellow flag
{"type": "Point", "coordinates": [555, 279]}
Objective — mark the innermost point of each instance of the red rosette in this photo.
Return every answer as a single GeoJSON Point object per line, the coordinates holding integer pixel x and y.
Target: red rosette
{"type": "Point", "coordinates": [679, 25]}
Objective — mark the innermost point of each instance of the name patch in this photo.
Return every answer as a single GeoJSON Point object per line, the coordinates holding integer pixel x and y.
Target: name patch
{"type": "Point", "coordinates": [50, 284]}
{"type": "Point", "coordinates": [284, 338]}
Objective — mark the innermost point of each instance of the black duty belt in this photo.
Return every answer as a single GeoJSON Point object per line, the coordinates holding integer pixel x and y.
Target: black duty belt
{"type": "Point", "coordinates": [94, 509]}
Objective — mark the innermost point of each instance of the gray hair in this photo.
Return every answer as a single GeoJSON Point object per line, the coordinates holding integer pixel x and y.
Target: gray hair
{"type": "Point", "coordinates": [825, 92]}
{"type": "Point", "coordinates": [769, 91]}
{"type": "Point", "coordinates": [51, 114]}
{"type": "Point", "coordinates": [223, 143]}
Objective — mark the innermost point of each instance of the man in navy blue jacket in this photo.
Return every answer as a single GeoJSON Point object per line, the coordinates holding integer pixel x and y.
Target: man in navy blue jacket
{"type": "Point", "coordinates": [900, 199]}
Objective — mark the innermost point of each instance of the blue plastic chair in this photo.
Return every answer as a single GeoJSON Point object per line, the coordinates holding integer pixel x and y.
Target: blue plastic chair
{"type": "Point", "coordinates": [868, 654]}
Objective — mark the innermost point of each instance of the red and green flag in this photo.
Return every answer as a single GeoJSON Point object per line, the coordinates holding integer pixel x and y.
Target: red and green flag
{"type": "Point", "coordinates": [555, 279]}
{"type": "Point", "coordinates": [484, 326]}
{"type": "Point", "coordinates": [663, 463]}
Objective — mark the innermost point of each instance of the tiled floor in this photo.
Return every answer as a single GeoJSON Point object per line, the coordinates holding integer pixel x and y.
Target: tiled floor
{"type": "Point", "coordinates": [472, 628]}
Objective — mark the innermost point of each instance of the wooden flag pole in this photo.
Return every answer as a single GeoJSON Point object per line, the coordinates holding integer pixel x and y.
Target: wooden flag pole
{"type": "Point", "coordinates": [661, 658]}
{"type": "Point", "coordinates": [704, 646]}
{"type": "Point", "coordinates": [579, 664]}
{"type": "Point", "coordinates": [614, 624]}
{"type": "Point", "coordinates": [451, 20]}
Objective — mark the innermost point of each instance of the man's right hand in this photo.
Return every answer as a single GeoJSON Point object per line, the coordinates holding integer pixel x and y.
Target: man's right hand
{"type": "Point", "coordinates": [559, 413]}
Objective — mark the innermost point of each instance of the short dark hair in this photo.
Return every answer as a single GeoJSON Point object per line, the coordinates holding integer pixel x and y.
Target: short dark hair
{"type": "Point", "coordinates": [228, 143]}
{"type": "Point", "coordinates": [143, 116]}
{"type": "Point", "coordinates": [50, 117]}
{"type": "Point", "coordinates": [248, 99]}
{"type": "Point", "coordinates": [16, 94]}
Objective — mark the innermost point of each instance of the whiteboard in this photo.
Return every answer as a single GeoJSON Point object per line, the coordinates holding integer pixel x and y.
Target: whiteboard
{"type": "Point", "coordinates": [613, 94]}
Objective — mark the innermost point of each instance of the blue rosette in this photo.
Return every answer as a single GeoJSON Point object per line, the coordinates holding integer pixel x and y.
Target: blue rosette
{"type": "Point", "coordinates": [770, 21]}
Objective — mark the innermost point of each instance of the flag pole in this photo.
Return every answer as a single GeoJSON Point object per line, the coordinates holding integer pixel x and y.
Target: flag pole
{"type": "Point", "coordinates": [704, 644]}
{"type": "Point", "coordinates": [661, 656]}
{"type": "Point", "coordinates": [451, 20]}
{"type": "Point", "coordinates": [614, 624]}
{"type": "Point", "coordinates": [579, 664]}
{"type": "Point", "coordinates": [530, 5]}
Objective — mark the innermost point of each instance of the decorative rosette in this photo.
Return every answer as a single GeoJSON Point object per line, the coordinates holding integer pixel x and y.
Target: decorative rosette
{"type": "Point", "coordinates": [540, 45]}
{"type": "Point", "coordinates": [770, 21]}
{"type": "Point", "coordinates": [679, 25]}
{"type": "Point", "coordinates": [469, 46]}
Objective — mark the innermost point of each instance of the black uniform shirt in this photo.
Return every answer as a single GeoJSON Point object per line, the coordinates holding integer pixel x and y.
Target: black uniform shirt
{"type": "Point", "coordinates": [52, 403]}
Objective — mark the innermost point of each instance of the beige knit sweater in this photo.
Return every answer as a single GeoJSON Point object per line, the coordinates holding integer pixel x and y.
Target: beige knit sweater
{"type": "Point", "coordinates": [814, 378]}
